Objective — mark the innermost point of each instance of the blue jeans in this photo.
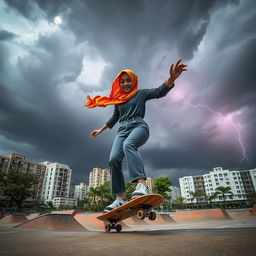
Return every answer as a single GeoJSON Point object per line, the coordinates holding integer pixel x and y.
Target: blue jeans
{"type": "Point", "coordinates": [131, 135]}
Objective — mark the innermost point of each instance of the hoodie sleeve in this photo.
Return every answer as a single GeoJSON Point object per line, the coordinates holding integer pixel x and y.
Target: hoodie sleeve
{"type": "Point", "coordinates": [156, 93]}
{"type": "Point", "coordinates": [113, 120]}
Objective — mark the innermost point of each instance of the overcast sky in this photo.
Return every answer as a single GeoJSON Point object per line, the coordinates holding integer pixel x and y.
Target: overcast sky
{"type": "Point", "coordinates": [48, 65]}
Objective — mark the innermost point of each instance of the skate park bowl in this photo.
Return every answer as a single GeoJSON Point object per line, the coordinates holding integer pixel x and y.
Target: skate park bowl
{"type": "Point", "coordinates": [59, 222]}
{"type": "Point", "coordinates": [83, 221]}
{"type": "Point", "coordinates": [201, 215]}
{"type": "Point", "coordinates": [14, 218]}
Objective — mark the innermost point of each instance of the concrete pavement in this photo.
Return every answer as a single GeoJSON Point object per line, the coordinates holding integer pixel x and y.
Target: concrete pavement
{"type": "Point", "coordinates": [235, 237]}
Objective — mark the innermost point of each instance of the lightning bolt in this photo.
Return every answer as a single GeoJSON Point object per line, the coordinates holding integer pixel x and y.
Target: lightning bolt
{"type": "Point", "coordinates": [232, 124]}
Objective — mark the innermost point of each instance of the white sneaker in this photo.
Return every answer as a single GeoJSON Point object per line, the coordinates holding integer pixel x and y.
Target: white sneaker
{"type": "Point", "coordinates": [118, 202]}
{"type": "Point", "coordinates": [140, 190]}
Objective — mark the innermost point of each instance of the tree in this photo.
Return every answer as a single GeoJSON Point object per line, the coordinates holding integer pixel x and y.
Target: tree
{"type": "Point", "coordinates": [223, 191]}
{"type": "Point", "coordinates": [212, 197]}
{"type": "Point", "coordinates": [196, 195]}
{"type": "Point", "coordinates": [18, 186]}
{"type": "Point", "coordinates": [180, 202]}
{"type": "Point", "coordinates": [104, 194]}
{"type": "Point", "coordinates": [83, 204]}
{"type": "Point", "coordinates": [50, 205]}
{"type": "Point", "coordinates": [252, 197]}
{"type": "Point", "coordinates": [93, 192]}
{"type": "Point", "coordinates": [162, 186]}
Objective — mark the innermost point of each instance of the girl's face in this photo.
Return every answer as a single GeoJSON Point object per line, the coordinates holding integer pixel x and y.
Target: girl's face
{"type": "Point", "coordinates": [126, 83]}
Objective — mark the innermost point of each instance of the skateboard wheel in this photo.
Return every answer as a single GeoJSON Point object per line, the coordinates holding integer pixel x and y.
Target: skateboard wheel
{"type": "Point", "coordinates": [152, 216]}
{"type": "Point", "coordinates": [141, 214]}
{"type": "Point", "coordinates": [118, 228]}
{"type": "Point", "coordinates": [108, 228]}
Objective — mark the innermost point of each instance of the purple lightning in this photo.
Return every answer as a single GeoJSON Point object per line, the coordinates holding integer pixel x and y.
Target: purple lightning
{"type": "Point", "coordinates": [244, 158]}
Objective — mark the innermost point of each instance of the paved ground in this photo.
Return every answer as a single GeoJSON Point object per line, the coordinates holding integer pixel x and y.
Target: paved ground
{"type": "Point", "coordinates": [189, 239]}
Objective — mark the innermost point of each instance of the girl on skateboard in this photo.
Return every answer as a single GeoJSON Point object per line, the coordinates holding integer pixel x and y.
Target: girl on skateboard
{"type": "Point", "coordinates": [129, 110]}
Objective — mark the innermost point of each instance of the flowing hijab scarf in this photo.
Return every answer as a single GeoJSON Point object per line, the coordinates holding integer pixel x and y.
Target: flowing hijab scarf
{"type": "Point", "coordinates": [117, 95]}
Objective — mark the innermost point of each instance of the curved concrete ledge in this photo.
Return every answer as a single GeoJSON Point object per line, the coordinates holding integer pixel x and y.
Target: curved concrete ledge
{"type": "Point", "coordinates": [254, 209]}
{"type": "Point", "coordinates": [242, 213]}
{"type": "Point", "coordinates": [33, 215]}
{"type": "Point", "coordinates": [13, 219]}
{"type": "Point", "coordinates": [1, 215]}
{"type": "Point", "coordinates": [201, 215]}
{"type": "Point", "coordinates": [70, 212]}
{"type": "Point", "coordinates": [61, 222]}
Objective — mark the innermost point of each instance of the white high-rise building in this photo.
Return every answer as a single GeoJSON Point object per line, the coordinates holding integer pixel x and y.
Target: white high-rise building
{"type": "Point", "coordinates": [240, 182]}
{"type": "Point", "coordinates": [56, 181]}
{"type": "Point", "coordinates": [174, 193]}
{"type": "Point", "coordinates": [64, 201]}
{"type": "Point", "coordinates": [225, 178]}
{"type": "Point", "coordinates": [187, 185]}
{"type": "Point", "coordinates": [252, 176]}
{"type": "Point", "coordinates": [98, 177]}
{"type": "Point", "coordinates": [81, 191]}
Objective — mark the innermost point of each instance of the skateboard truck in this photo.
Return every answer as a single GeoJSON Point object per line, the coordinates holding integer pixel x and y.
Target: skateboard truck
{"type": "Point", "coordinates": [146, 211]}
{"type": "Point", "coordinates": [113, 225]}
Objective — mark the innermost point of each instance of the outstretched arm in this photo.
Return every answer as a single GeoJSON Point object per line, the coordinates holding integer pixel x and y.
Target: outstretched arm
{"type": "Point", "coordinates": [175, 72]}
{"type": "Point", "coordinates": [109, 124]}
{"type": "Point", "coordinates": [97, 132]}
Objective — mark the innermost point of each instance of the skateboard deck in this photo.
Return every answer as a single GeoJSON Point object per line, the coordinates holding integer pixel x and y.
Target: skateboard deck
{"type": "Point", "coordinates": [141, 206]}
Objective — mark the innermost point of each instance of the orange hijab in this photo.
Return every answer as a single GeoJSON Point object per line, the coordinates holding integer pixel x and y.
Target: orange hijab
{"type": "Point", "coordinates": [117, 95]}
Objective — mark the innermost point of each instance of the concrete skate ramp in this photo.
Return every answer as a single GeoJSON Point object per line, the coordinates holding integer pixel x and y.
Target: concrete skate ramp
{"type": "Point", "coordinates": [32, 215]}
{"type": "Point", "coordinates": [70, 212]}
{"type": "Point", "coordinates": [90, 221]}
{"type": "Point", "coordinates": [1, 215]}
{"type": "Point", "coordinates": [13, 219]}
{"type": "Point", "coordinates": [134, 220]}
{"type": "Point", "coordinates": [201, 215]}
{"type": "Point", "coordinates": [240, 213]}
{"type": "Point", "coordinates": [60, 222]}
{"type": "Point", "coordinates": [161, 219]}
{"type": "Point", "coordinates": [254, 209]}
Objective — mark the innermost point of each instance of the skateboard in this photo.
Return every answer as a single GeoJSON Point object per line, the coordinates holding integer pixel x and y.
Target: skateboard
{"type": "Point", "coordinates": [141, 206]}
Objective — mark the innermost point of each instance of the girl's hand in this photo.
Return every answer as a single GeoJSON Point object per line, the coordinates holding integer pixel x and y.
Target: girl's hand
{"type": "Point", "coordinates": [176, 70]}
{"type": "Point", "coordinates": [95, 133]}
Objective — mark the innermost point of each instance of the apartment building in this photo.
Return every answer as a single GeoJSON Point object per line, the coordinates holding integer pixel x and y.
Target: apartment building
{"type": "Point", "coordinates": [17, 162]}
{"type": "Point", "coordinates": [64, 201]}
{"type": "Point", "coordinates": [81, 191]}
{"type": "Point", "coordinates": [187, 185]}
{"type": "Point", "coordinates": [98, 177]}
{"type": "Point", "coordinates": [56, 181]}
{"type": "Point", "coordinates": [240, 182]}
{"type": "Point", "coordinates": [174, 193]}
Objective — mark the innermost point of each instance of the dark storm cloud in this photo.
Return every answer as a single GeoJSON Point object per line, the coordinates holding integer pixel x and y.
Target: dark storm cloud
{"type": "Point", "coordinates": [41, 107]}
{"type": "Point", "coordinates": [6, 35]}
{"type": "Point", "coordinates": [43, 119]}
{"type": "Point", "coordinates": [26, 8]}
